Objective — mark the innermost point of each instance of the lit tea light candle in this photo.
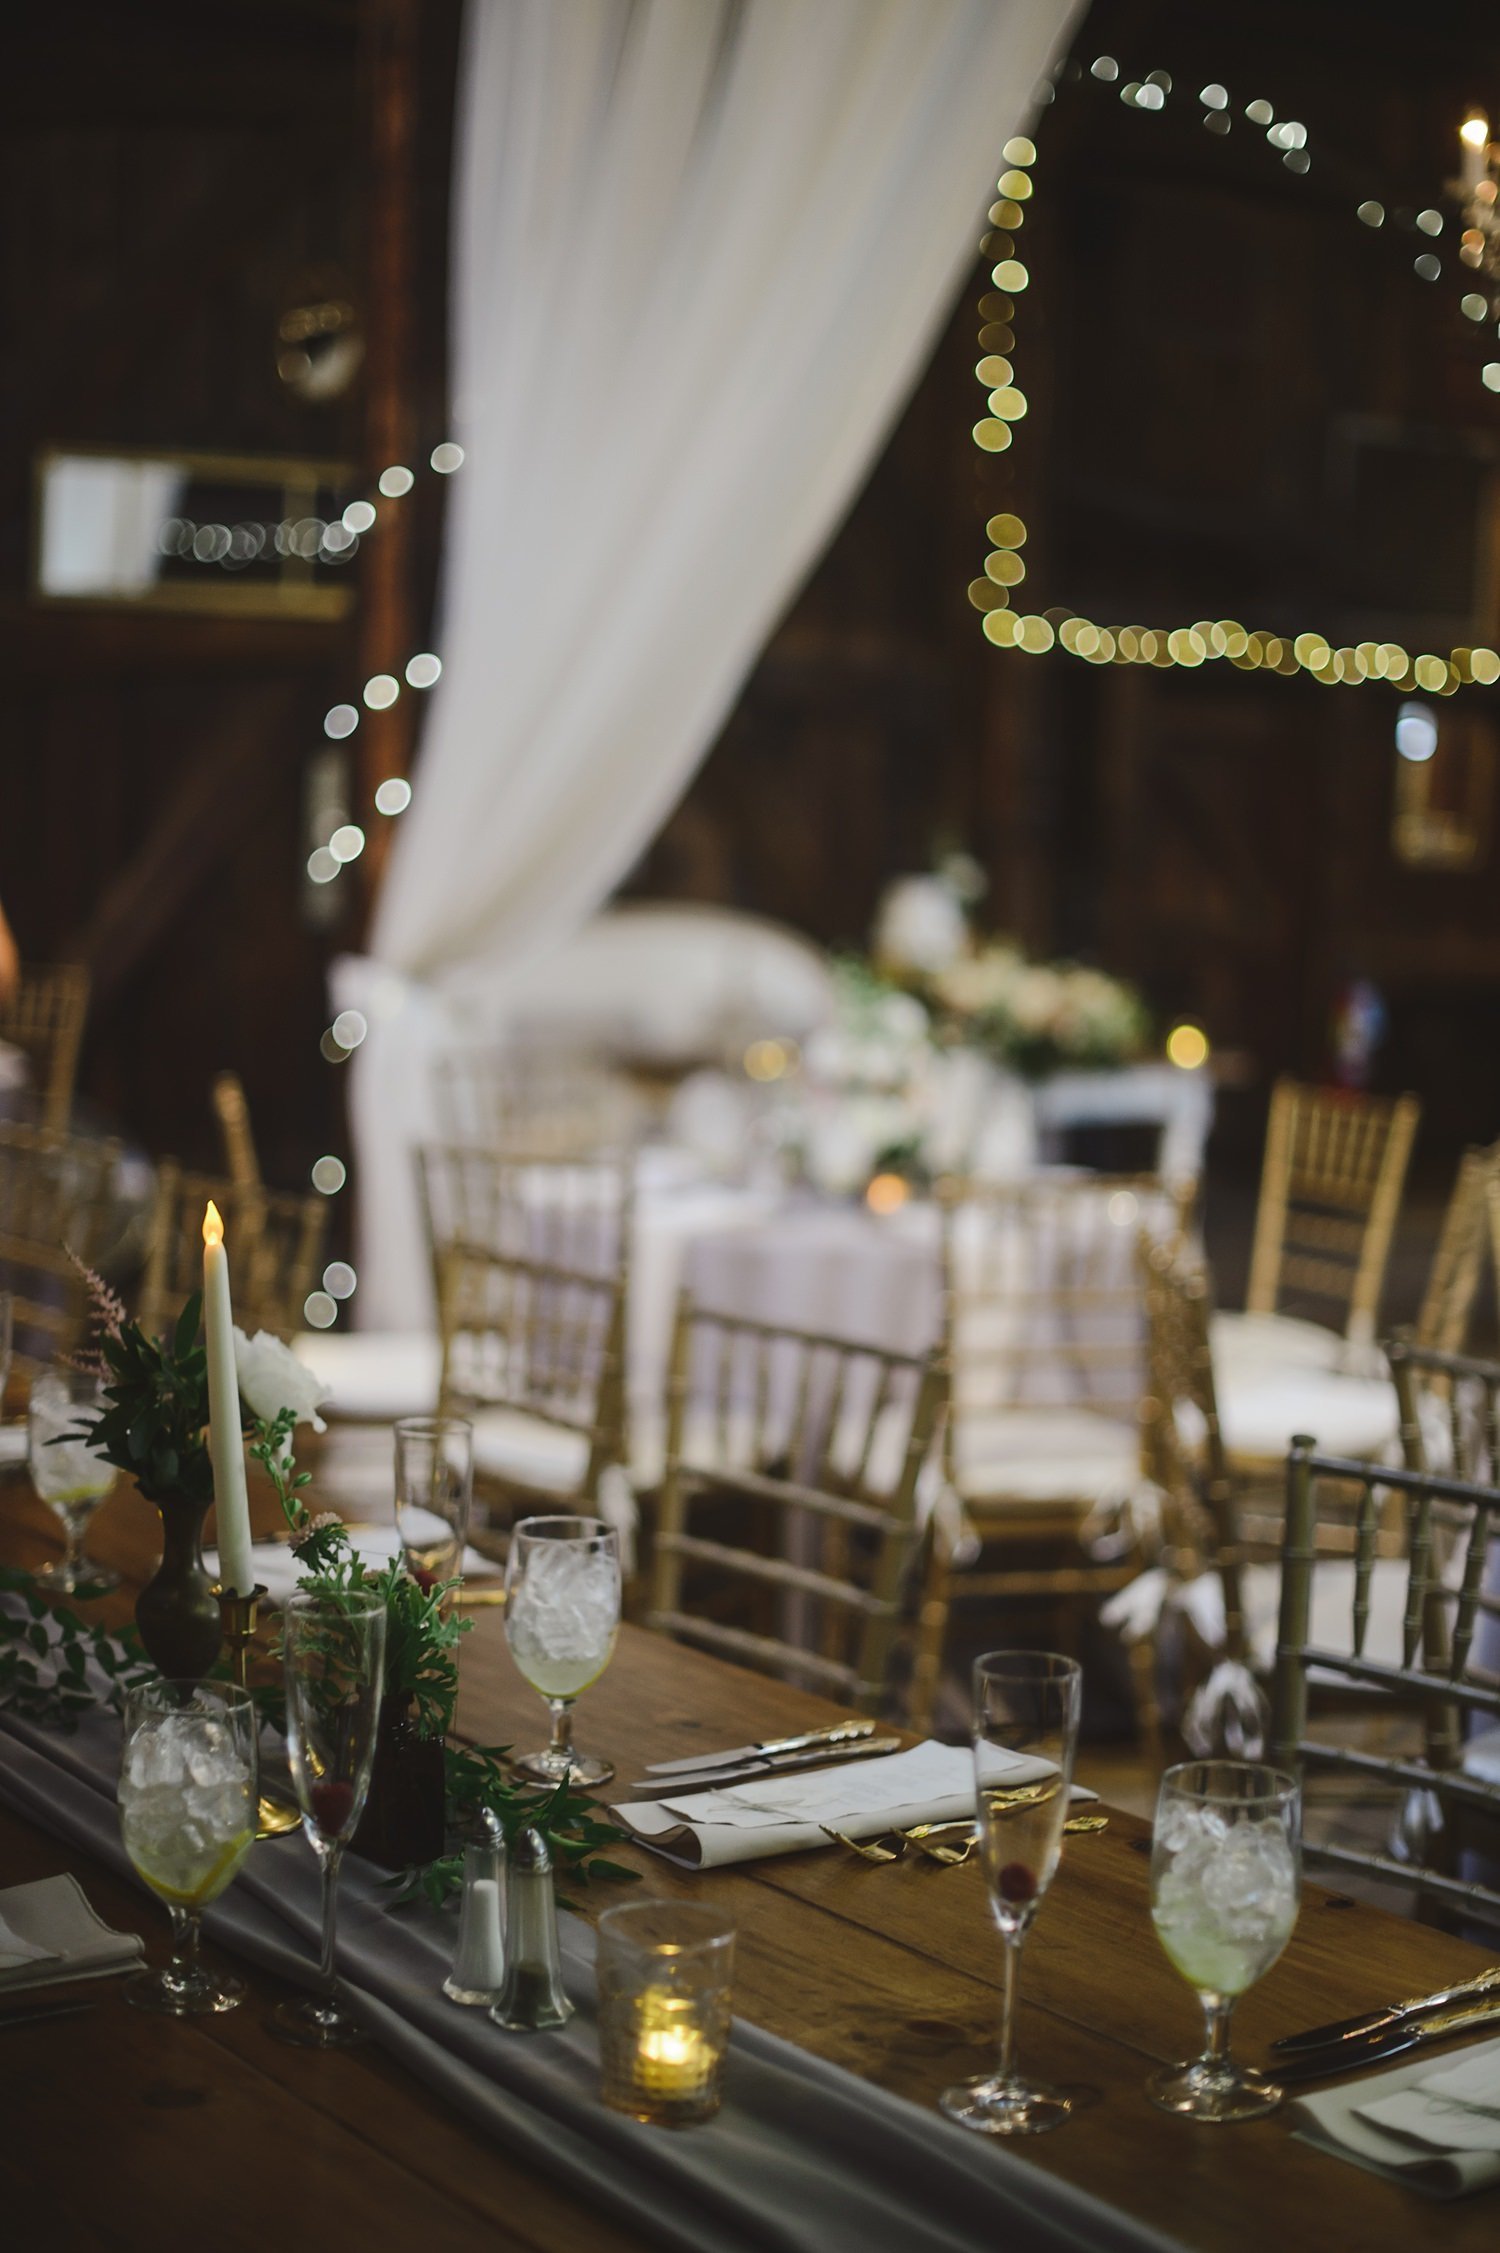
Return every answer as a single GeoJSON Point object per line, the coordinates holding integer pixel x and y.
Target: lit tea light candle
{"type": "Point", "coordinates": [674, 2058]}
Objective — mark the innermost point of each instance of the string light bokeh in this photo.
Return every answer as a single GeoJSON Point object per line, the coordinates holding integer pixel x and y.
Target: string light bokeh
{"type": "Point", "coordinates": [1206, 639]}
{"type": "Point", "coordinates": [326, 862]}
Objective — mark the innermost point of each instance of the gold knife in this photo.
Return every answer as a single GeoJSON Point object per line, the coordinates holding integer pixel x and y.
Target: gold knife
{"type": "Point", "coordinates": [1388, 2018]}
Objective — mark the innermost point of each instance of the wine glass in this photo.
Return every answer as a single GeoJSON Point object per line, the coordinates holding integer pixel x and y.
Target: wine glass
{"type": "Point", "coordinates": [333, 1648]}
{"type": "Point", "coordinates": [70, 1477]}
{"type": "Point", "coordinates": [1026, 1707]}
{"type": "Point", "coordinates": [434, 1489]}
{"type": "Point", "coordinates": [187, 1814]}
{"type": "Point", "coordinates": [562, 1613]}
{"type": "Point", "coordinates": [1225, 1875]}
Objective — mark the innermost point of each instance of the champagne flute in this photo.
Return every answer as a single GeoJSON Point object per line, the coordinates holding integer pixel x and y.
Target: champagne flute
{"type": "Point", "coordinates": [187, 1815]}
{"type": "Point", "coordinates": [1225, 1879]}
{"type": "Point", "coordinates": [434, 1491]}
{"type": "Point", "coordinates": [333, 1648]}
{"type": "Point", "coordinates": [1026, 1707]}
{"type": "Point", "coordinates": [69, 1476]}
{"type": "Point", "coordinates": [562, 1613]}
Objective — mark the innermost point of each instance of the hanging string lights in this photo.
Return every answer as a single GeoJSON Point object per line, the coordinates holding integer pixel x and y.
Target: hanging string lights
{"type": "Point", "coordinates": [1205, 640]}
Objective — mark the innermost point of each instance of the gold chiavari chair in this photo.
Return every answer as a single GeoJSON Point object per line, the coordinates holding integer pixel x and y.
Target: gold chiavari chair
{"type": "Point", "coordinates": [275, 1242]}
{"type": "Point", "coordinates": [567, 1211]}
{"type": "Point", "coordinates": [1450, 1422]}
{"type": "Point", "coordinates": [233, 1115]}
{"type": "Point", "coordinates": [532, 1353]}
{"type": "Point", "coordinates": [45, 1019]}
{"type": "Point", "coordinates": [1330, 1190]}
{"type": "Point", "coordinates": [56, 1195]}
{"type": "Point", "coordinates": [1220, 1564]}
{"type": "Point", "coordinates": [789, 1511]}
{"type": "Point", "coordinates": [1043, 1342]}
{"type": "Point", "coordinates": [559, 1103]}
{"type": "Point", "coordinates": [1264, 1401]}
{"type": "Point", "coordinates": [1450, 1523]}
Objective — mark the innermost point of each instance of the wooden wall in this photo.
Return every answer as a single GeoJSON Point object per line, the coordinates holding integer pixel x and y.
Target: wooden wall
{"type": "Point", "coordinates": [1199, 327]}
{"type": "Point", "coordinates": [171, 171]}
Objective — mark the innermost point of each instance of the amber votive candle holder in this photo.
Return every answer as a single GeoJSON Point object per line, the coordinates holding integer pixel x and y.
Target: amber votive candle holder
{"type": "Point", "coordinates": [665, 1977]}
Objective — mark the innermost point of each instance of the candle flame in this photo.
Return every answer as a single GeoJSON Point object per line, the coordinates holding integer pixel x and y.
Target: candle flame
{"type": "Point", "coordinates": [213, 1226]}
{"type": "Point", "coordinates": [1475, 129]}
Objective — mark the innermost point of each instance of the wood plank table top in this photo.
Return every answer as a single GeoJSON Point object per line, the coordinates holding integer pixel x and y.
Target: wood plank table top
{"type": "Point", "coordinates": [124, 2129]}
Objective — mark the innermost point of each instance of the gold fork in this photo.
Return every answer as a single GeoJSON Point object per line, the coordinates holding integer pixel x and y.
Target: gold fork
{"type": "Point", "coordinates": [868, 1851]}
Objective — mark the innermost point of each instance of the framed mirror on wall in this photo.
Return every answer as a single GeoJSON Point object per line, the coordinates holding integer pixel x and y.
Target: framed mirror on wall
{"type": "Point", "coordinates": [137, 528]}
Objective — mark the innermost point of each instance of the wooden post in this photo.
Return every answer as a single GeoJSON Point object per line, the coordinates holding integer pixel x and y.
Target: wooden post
{"type": "Point", "coordinates": [386, 606]}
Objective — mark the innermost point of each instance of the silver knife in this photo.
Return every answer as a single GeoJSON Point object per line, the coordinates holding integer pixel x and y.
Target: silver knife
{"type": "Point", "coordinates": [775, 1764]}
{"type": "Point", "coordinates": [1410, 2034]}
{"type": "Point", "coordinates": [836, 1733]}
{"type": "Point", "coordinates": [1387, 2019]}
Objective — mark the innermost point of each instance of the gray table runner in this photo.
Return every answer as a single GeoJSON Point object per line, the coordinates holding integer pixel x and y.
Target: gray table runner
{"type": "Point", "coordinates": [804, 2157]}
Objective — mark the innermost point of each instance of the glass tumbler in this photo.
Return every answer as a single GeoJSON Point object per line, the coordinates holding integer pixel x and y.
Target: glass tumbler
{"type": "Point", "coordinates": [665, 1971]}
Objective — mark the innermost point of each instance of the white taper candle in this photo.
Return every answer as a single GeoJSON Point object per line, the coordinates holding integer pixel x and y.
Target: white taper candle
{"type": "Point", "coordinates": [225, 1443]}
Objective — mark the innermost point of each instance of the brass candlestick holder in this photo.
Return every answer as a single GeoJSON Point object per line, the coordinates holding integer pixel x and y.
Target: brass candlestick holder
{"type": "Point", "coordinates": [240, 1614]}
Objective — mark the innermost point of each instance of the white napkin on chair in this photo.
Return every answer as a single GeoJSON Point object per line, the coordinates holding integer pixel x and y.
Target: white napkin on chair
{"type": "Point", "coordinates": [49, 1932]}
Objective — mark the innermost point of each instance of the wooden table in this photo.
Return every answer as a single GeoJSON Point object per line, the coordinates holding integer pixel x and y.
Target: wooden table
{"type": "Point", "coordinates": [122, 2129]}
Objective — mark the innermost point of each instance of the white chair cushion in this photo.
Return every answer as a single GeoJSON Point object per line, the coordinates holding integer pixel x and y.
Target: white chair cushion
{"type": "Point", "coordinates": [374, 1375]}
{"type": "Point", "coordinates": [509, 1444]}
{"type": "Point", "coordinates": [1253, 1341]}
{"type": "Point", "coordinates": [1482, 1756]}
{"type": "Point", "coordinates": [1046, 1455]}
{"type": "Point", "coordinates": [1261, 1413]}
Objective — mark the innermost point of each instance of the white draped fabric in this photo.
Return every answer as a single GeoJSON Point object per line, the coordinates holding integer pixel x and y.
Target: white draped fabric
{"type": "Point", "coordinates": [703, 248]}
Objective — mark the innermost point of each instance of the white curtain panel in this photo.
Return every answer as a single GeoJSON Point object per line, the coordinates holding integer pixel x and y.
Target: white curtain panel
{"type": "Point", "coordinates": [703, 249]}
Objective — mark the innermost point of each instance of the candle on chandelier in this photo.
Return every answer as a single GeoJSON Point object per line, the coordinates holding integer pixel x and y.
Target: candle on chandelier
{"type": "Point", "coordinates": [226, 1445]}
{"type": "Point", "coordinates": [1474, 144]}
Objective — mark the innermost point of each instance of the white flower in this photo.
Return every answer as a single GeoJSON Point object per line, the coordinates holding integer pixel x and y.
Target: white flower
{"type": "Point", "coordinates": [271, 1378]}
{"type": "Point", "coordinates": [919, 925]}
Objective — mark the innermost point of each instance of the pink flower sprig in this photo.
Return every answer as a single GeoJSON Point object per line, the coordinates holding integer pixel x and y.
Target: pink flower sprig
{"type": "Point", "coordinates": [107, 1318]}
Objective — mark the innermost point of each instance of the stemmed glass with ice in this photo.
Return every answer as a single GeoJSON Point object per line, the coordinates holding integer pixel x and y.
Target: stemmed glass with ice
{"type": "Point", "coordinates": [1225, 1881]}
{"type": "Point", "coordinates": [562, 1613]}
{"type": "Point", "coordinates": [187, 1814]}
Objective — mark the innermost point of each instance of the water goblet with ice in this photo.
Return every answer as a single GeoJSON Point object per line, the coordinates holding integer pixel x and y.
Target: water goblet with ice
{"type": "Point", "coordinates": [187, 1815]}
{"type": "Point", "coordinates": [562, 1612]}
{"type": "Point", "coordinates": [1225, 1877]}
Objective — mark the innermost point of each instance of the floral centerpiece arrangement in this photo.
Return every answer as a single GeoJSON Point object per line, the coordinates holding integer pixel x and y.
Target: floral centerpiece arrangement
{"type": "Point", "coordinates": [902, 1078]}
{"type": "Point", "coordinates": [154, 1427]}
{"type": "Point", "coordinates": [1032, 1018]}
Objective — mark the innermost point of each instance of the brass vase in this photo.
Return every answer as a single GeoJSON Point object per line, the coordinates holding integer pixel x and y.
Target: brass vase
{"type": "Point", "coordinates": [177, 1611]}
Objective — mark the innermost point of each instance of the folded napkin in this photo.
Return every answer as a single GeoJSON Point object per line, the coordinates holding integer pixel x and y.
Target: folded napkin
{"type": "Point", "coordinates": [1434, 2125]}
{"type": "Point", "coordinates": [747, 1822]}
{"type": "Point", "coordinates": [49, 1932]}
{"type": "Point", "coordinates": [277, 1569]}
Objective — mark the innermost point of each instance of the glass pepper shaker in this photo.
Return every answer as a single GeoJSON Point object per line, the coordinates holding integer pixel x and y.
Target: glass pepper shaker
{"type": "Point", "coordinates": [532, 1995]}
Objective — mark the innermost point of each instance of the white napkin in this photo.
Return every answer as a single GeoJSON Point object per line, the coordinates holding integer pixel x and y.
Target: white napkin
{"type": "Point", "coordinates": [747, 1822]}
{"type": "Point", "coordinates": [276, 1567]}
{"type": "Point", "coordinates": [49, 1932]}
{"type": "Point", "coordinates": [12, 1443]}
{"type": "Point", "coordinates": [1434, 2125]}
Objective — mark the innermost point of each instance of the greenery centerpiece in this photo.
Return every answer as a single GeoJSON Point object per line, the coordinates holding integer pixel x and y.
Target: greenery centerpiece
{"type": "Point", "coordinates": [154, 1427]}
